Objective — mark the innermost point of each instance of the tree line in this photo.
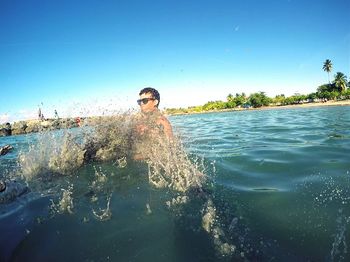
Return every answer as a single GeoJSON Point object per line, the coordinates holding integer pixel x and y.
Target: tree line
{"type": "Point", "coordinates": [337, 89]}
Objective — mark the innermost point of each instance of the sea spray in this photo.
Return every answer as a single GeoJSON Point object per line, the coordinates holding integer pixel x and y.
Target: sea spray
{"type": "Point", "coordinates": [51, 153]}
{"type": "Point", "coordinates": [211, 225]}
{"type": "Point", "coordinates": [339, 245]}
{"type": "Point", "coordinates": [100, 179]}
{"type": "Point", "coordinates": [110, 139]}
{"type": "Point", "coordinates": [57, 154]}
{"type": "Point", "coordinates": [68, 158]}
{"type": "Point", "coordinates": [328, 192]}
{"type": "Point", "coordinates": [63, 152]}
{"type": "Point", "coordinates": [148, 209]}
{"type": "Point", "coordinates": [104, 214]}
{"type": "Point", "coordinates": [179, 200]}
{"type": "Point", "coordinates": [65, 204]}
{"type": "Point", "coordinates": [114, 139]}
{"type": "Point", "coordinates": [170, 166]}
{"type": "Point", "coordinates": [122, 162]}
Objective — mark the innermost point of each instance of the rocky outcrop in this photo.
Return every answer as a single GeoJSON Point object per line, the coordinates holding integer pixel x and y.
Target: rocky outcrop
{"type": "Point", "coordinates": [33, 126]}
{"type": "Point", "coordinates": [5, 130]}
{"type": "Point", "coordinates": [19, 127]}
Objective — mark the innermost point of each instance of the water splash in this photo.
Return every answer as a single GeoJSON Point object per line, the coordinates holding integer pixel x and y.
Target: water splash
{"type": "Point", "coordinates": [333, 191]}
{"type": "Point", "coordinates": [339, 246]}
{"type": "Point", "coordinates": [211, 226]}
{"type": "Point", "coordinates": [51, 153]}
{"type": "Point", "coordinates": [122, 162]}
{"type": "Point", "coordinates": [63, 152]}
{"type": "Point", "coordinates": [179, 200]}
{"type": "Point", "coordinates": [100, 180]}
{"type": "Point", "coordinates": [98, 189]}
{"type": "Point", "coordinates": [68, 158]}
{"type": "Point", "coordinates": [148, 209]}
{"type": "Point", "coordinates": [113, 139]}
{"type": "Point", "coordinates": [65, 205]}
{"type": "Point", "coordinates": [104, 214]}
{"type": "Point", "coordinates": [170, 167]}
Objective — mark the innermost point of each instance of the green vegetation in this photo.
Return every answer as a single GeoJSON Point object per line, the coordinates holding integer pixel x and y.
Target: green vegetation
{"type": "Point", "coordinates": [338, 89]}
{"type": "Point", "coordinates": [327, 66]}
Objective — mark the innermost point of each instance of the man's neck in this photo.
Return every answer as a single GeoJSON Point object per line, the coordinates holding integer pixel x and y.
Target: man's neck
{"type": "Point", "coordinates": [148, 113]}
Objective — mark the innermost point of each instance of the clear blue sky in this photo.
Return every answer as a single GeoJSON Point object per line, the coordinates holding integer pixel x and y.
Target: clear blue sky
{"type": "Point", "coordinates": [76, 56]}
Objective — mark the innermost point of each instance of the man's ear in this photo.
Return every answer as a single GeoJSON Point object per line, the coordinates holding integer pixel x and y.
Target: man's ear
{"type": "Point", "coordinates": [156, 102]}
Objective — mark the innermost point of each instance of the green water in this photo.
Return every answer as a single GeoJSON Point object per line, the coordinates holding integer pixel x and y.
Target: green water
{"type": "Point", "coordinates": [279, 181]}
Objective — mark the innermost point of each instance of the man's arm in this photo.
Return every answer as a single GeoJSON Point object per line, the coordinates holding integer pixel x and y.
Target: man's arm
{"type": "Point", "coordinates": [168, 130]}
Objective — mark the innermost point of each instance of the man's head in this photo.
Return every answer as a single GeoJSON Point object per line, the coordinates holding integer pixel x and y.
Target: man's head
{"type": "Point", "coordinates": [149, 99]}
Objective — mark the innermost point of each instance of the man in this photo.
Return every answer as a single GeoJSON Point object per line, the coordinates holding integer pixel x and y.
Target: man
{"type": "Point", "coordinates": [151, 118]}
{"type": "Point", "coordinates": [39, 113]}
{"type": "Point", "coordinates": [152, 126]}
{"type": "Point", "coordinates": [56, 114]}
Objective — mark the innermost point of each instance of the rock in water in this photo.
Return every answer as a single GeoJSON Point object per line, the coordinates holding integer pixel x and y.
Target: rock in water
{"type": "Point", "coordinates": [5, 149]}
{"type": "Point", "coordinates": [10, 190]}
{"type": "Point", "coordinates": [2, 186]}
{"type": "Point", "coordinates": [5, 130]}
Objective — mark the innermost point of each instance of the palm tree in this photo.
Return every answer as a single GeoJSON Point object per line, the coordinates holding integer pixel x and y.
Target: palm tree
{"type": "Point", "coordinates": [340, 81]}
{"type": "Point", "coordinates": [327, 66]}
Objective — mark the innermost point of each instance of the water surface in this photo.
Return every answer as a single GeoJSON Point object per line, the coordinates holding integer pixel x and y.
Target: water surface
{"type": "Point", "coordinates": [279, 183]}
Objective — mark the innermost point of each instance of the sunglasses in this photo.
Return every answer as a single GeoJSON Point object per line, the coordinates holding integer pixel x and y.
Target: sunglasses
{"type": "Point", "coordinates": [145, 100]}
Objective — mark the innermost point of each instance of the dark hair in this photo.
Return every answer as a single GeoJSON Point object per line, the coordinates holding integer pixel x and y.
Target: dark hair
{"type": "Point", "coordinates": [154, 92]}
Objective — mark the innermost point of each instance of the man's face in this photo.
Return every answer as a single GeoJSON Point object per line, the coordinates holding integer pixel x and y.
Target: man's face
{"type": "Point", "coordinates": [150, 103]}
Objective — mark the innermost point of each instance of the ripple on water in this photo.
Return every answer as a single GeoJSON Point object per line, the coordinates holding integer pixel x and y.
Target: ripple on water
{"type": "Point", "coordinates": [287, 171]}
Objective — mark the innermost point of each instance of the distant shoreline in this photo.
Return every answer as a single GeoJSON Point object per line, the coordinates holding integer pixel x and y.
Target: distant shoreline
{"type": "Point", "coordinates": [34, 126]}
{"type": "Point", "coordinates": [304, 105]}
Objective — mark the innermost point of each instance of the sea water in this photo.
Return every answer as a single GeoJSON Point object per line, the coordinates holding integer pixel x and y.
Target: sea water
{"type": "Point", "coordinates": [276, 188]}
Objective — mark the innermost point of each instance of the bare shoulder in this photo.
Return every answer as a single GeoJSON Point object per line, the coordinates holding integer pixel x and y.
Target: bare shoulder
{"type": "Point", "coordinates": [162, 120]}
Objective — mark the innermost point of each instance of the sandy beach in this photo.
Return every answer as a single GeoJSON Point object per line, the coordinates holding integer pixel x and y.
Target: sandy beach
{"type": "Point", "coordinates": [312, 104]}
{"type": "Point", "coordinates": [328, 103]}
